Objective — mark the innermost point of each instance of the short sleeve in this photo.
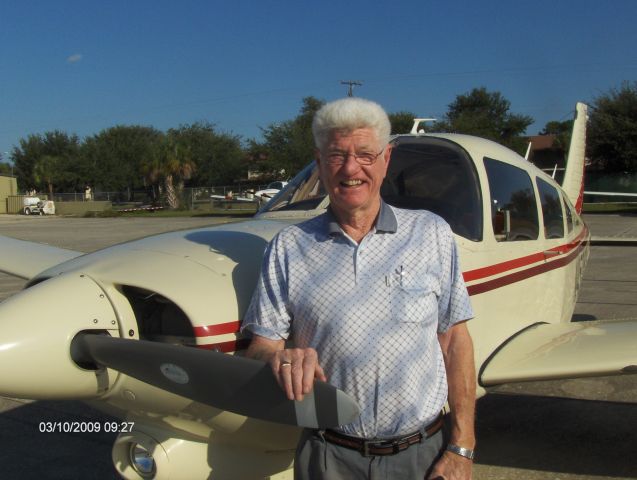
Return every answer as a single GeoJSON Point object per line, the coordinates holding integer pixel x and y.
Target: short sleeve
{"type": "Point", "coordinates": [454, 305]}
{"type": "Point", "coordinates": [268, 315]}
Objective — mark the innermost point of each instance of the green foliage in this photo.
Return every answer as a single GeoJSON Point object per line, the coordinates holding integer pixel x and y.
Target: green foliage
{"type": "Point", "coordinates": [175, 165]}
{"type": "Point", "coordinates": [63, 148]}
{"type": "Point", "coordinates": [486, 114]}
{"type": "Point", "coordinates": [401, 122]}
{"type": "Point", "coordinates": [612, 130]}
{"type": "Point", "coordinates": [288, 146]}
{"type": "Point", "coordinates": [48, 170]}
{"type": "Point", "coordinates": [5, 167]}
{"type": "Point", "coordinates": [128, 158]}
{"type": "Point", "coordinates": [109, 213]}
{"type": "Point", "coordinates": [562, 132]}
{"type": "Point", "coordinates": [121, 157]}
{"type": "Point", "coordinates": [218, 157]}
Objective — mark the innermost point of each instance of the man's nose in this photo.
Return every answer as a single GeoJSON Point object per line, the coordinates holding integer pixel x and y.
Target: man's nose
{"type": "Point", "coordinates": [351, 163]}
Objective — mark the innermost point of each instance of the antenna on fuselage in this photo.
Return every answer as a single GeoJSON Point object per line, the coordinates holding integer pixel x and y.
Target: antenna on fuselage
{"type": "Point", "coordinates": [417, 122]}
{"type": "Point", "coordinates": [528, 152]}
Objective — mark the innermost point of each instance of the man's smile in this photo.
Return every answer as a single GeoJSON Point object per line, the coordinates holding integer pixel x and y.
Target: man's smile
{"type": "Point", "coordinates": [351, 183]}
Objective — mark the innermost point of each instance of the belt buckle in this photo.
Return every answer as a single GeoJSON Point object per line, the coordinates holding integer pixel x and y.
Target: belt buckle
{"type": "Point", "coordinates": [366, 445]}
{"type": "Point", "coordinates": [395, 445]}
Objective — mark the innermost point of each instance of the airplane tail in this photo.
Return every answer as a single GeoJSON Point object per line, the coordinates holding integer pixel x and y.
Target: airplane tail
{"type": "Point", "coordinates": [573, 183]}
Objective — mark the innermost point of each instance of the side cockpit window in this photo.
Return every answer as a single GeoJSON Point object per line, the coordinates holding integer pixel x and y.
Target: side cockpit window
{"type": "Point", "coordinates": [437, 175]}
{"type": "Point", "coordinates": [551, 210]}
{"type": "Point", "coordinates": [514, 212]}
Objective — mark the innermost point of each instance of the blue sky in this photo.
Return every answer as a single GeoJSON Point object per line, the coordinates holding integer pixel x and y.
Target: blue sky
{"type": "Point", "coordinates": [83, 66]}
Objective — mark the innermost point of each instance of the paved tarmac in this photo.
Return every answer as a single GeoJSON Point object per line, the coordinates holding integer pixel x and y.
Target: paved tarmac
{"type": "Point", "coordinates": [568, 430]}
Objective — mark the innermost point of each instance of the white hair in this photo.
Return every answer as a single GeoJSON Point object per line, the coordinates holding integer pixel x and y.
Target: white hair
{"type": "Point", "coordinates": [348, 114]}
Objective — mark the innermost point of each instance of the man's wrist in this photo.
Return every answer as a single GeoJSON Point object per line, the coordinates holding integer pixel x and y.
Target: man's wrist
{"type": "Point", "coordinates": [463, 452]}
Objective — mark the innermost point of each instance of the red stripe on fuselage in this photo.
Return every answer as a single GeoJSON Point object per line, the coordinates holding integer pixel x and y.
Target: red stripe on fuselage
{"type": "Point", "coordinates": [502, 267]}
{"type": "Point", "coordinates": [218, 329]}
{"type": "Point", "coordinates": [524, 274]}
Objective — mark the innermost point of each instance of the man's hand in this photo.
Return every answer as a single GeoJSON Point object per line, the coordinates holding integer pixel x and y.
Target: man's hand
{"type": "Point", "coordinates": [452, 467]}
{"type": "Point", "coordinates": [294, 368]}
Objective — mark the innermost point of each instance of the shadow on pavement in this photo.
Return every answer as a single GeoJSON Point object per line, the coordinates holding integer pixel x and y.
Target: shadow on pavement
{"type": "Point", "coordinates": [559, 435]}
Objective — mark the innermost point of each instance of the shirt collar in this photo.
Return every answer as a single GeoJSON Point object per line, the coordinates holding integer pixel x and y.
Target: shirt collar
{"type": "Point", "coordinates": [385, 222]}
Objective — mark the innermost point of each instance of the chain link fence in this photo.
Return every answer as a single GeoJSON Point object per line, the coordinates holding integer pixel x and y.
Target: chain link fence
{"type": "Point", "coordinates": [192, 198]}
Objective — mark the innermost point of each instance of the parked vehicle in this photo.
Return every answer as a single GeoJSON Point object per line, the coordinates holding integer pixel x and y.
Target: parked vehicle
{"type": "Point", "coordinates": [35, 206]}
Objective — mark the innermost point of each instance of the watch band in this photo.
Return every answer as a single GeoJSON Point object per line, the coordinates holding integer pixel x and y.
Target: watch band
{"type": "Point", "coordinates": [463, 452]}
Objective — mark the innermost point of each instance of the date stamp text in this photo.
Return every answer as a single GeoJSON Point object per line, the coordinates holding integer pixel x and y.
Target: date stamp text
{"type": "Point", "coordinates": [86, 427]}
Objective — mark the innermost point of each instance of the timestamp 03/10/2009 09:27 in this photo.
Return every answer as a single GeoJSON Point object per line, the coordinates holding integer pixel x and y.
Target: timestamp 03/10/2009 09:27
{"type": "Point", "coordinates": [86, 427]}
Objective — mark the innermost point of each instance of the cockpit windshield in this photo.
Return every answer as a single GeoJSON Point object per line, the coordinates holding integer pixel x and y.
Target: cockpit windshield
{"type": "Point", "coordinates": [425, 173]}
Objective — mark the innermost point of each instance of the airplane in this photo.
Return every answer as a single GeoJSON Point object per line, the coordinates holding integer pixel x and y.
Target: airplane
{"type": "Point", "coordinates": [148, 330]}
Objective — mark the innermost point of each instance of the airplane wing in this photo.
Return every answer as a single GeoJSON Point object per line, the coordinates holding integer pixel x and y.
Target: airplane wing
{"type": "Point", "coordinates": [27, 259]}
{"type": "Point", "coordinates": [564, 350]}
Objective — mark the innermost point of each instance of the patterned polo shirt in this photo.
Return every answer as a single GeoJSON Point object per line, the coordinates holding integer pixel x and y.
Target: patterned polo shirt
{"type": "Point", "coordinates": [372, 311]}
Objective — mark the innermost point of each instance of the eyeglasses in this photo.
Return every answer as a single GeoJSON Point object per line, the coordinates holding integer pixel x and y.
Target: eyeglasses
{"type": "Point", "coordinates": [365, 158]}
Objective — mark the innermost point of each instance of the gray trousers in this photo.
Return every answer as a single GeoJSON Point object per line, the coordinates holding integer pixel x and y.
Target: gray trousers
{"type": "Point", "coordinates": [318, 459]}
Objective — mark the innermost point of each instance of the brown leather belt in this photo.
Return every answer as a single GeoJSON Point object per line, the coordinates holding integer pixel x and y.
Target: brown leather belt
{"type": "Point", "coordinates": [389, 446]}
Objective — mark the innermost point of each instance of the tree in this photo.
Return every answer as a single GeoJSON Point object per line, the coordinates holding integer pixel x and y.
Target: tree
{"type": "Point", "coordinates": [612, 130]}
{"type": "Point", "coordinates": [219, 157]}
{"type": "Point", "coordinates": [121, 157]}
{"type": "Point", "coordinates": [561, 131]}
{"type": "Point", "coordinates": [288, 146]}
{"type": "Point", "coordinates": [63, 147]}
{"type": "Point", "coordinates": [486, 114]}
{"type": "Point", "coordinates": [401, 122]}
{"type": "Point", "coordinates": [47, 171]}
{"type": "Point", "coordinates": [553, 154]}
{"type": "Point", "coordinates": [176, 166]}
{"type": "Point", "coordinates": [5, 167]}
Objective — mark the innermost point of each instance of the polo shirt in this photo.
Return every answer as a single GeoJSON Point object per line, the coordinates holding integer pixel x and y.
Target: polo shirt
{"type": "Point", "coordinates": [372, 310]}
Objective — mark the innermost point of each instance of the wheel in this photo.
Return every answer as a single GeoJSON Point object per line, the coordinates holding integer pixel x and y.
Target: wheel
{"type": "Point", "coordinates": [27, 211]}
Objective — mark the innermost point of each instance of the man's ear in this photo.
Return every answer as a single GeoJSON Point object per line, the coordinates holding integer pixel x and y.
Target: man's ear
{"type": "Point", "coordinates": [317, 156]}
{"type": "Point", "coordinates": [387, 154]}
{"type": "Point", "coordinates": [388, 150]}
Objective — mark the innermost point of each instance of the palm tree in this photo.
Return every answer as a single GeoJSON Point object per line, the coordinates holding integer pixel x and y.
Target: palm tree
{"type": "Point", "coordinates": [176, 166]}
{"type": "Point", "coordinates": [46, 171]}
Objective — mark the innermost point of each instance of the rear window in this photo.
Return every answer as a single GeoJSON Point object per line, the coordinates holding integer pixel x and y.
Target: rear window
{"type": "Point", "coordinates": [514, 212]}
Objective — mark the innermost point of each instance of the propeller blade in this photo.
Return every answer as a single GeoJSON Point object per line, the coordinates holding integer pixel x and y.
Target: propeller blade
{"type": "Point", "coordinates": [237, 384]}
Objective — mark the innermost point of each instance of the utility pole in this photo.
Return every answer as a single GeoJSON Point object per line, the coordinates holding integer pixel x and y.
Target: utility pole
{"type": "Point", "coordinates": [351, 84]}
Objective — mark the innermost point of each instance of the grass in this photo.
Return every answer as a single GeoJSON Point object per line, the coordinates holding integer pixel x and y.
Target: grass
{"type": "Point", "coordinates": [614, 207]}
{"type": "Point", "coordinates": [216, 212]}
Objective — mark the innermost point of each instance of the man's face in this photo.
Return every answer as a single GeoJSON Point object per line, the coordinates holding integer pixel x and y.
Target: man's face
{"type": "Point", "coordinates": [352, 186]}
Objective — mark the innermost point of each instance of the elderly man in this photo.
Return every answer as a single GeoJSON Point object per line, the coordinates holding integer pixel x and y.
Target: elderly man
{"type": "Point", "coordinates": [369, 298]}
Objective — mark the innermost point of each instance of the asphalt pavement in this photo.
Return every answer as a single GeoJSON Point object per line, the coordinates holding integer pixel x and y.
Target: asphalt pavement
{"type": "Point", "coordinates": [568, 430]}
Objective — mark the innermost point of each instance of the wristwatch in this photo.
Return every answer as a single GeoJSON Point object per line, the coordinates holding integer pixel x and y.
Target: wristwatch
{"type": "Point", "coordinates": [463, 452]}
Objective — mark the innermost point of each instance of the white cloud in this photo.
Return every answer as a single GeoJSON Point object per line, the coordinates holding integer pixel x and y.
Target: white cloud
{"type": "Point", "coordinates": [74, 58]}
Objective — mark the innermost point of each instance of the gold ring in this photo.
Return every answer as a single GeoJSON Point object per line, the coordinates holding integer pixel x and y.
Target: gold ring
{"type": "Point", "coordinates": [285, 364]}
